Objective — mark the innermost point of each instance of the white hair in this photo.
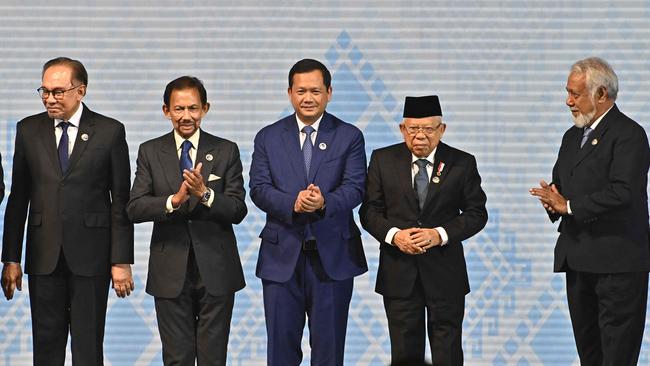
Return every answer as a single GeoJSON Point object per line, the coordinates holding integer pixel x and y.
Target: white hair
{"type": "Point", "coordinates": [599, 74]}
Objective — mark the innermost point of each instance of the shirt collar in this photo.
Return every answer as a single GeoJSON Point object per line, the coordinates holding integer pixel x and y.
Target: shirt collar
{"type": "Point", "coordinates": [74, 119]}
{"type": "Point", "coordinates": [596, 122]}
{"type": "Point", "coordinates": [194, 139]}
{"type": "Point", "coordinates": [429, 158]}
{"type": "Point", "coordinates": [315, 125]}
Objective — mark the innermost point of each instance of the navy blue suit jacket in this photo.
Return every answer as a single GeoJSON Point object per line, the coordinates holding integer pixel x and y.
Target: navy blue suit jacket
{"type": "Point", "coordinates": [277, 174]}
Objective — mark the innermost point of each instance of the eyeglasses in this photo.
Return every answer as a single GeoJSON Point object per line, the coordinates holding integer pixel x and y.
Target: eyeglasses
{"type": "Point", "coordinates": [179, 111]}
{"type": "Point", "coordinates": [57, 94]}
{"type": "Point", "coordinates": [427, 130]}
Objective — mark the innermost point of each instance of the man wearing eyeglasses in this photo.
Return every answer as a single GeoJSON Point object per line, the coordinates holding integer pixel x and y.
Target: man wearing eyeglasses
{"type": "Point", "coordinates": [70, 180]}
{"type": "Point", "coordinates": [423, 197]}
{"type": "Point", "coordinates": [190, 184]}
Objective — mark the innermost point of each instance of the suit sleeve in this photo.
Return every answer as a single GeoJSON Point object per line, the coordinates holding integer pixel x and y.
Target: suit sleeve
{"type": "Point", "coordinates": [473, 216]}
{"type": "Point", "coordinates": [349, 193]}
{"type": "Point", "coordinates": [228, 206]}
{"type": "Point", "coordinates": [264, 194]}
{"type": "Point", "coordinates": [143, 206]}
{"type": "Point", "coordinates": [373, 210]}
{"type": "Point", "coordinates": [121, 227]}
{"type": "Point", "coordinates": [2, 181]}
{"type": "Point", "coordinates": [16, 211]}
{"type": "Point", "coordinates": [628, 170]}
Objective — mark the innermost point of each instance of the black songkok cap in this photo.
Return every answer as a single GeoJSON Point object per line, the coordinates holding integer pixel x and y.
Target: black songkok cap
{"type": "Point", "coordinates": [421, 107]}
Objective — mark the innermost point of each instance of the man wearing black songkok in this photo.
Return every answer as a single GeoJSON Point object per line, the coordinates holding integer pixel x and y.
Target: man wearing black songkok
{"type": "Point", "coordinates": [423, 197]}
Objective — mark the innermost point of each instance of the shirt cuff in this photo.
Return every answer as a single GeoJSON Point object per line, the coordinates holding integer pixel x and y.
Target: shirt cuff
{"type": "Point", "coordinates": [168, 206]}
{"type": "Point", "coordinates": [568, 208]}
{"type": "Point", "coordinates": [208, 204]}
{"type": "Point", "coordinates": [444, 238]}
{"type": "Point", "coordinates": [389, 236]}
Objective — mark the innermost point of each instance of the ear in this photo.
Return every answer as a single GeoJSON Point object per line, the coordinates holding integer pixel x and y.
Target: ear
{"type": "Point", "coordinates": [601, 94]}
{"type": "Point", "coordinates": [329, 93]}
{"type": "Point", "coordinates": [165, 110]}
{"type": "Point", "coordinates": [206, 108]}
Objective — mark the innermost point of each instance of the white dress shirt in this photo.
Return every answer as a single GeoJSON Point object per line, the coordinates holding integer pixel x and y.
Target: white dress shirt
{"type": "Point", "coordinates": [303, 135]}
{"type": "Point", "coordinates": [73, 128]}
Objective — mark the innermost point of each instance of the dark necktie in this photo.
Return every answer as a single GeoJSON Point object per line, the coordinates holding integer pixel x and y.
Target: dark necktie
{"type": "Point", "coordinates": [64, 141]}
{"type": "Point", "coordinates": [307, 147]}
{"type": "Point", "coordinates": [186, 161]}
{"type": "Point", "coordinates": [421, 182]}
{"type": "Point", "coordinates": [585, 135]}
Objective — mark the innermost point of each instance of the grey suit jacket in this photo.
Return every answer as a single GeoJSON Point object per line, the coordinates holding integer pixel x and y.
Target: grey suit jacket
{"type": "Point", "coordinates": [208, 230]}
{"type": "Point", "coordinates": [81, 211]}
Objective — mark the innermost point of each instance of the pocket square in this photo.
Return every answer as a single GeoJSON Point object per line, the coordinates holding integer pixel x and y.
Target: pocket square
{"type": "Point", "coordinates": [213, 177]}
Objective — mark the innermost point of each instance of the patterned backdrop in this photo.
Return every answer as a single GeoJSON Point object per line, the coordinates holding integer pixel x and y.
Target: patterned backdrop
{"type": "Point", "coordinates": [499, 67]}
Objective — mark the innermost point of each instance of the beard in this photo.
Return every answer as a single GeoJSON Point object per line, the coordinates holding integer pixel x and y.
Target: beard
{"type": "Point", "coordinates": [582, 120]}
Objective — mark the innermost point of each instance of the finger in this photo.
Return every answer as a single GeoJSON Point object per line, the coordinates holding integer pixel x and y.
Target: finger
{"type": "Point", "coordinates": [19, 284]}
{"type": "Point", "coordinates": [543, 184]}
{"type": "Point", "coordinates": [554, 189]}
{"type": "Point", "coordinates": [198, 168]}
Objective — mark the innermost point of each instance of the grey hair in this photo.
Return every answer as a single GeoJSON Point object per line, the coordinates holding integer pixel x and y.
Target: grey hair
{"type": "Point", "coordinates": [599, 74]}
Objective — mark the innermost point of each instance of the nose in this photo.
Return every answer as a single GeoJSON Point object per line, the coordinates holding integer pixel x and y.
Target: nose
{"type": "Point", "coordinates": [569, 100]}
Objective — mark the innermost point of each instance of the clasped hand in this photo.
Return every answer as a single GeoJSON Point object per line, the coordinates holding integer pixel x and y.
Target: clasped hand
{"type": "Point", "coordinates": [192, 186]}
{"type": "Point", "coordinates": [309, 200]}
{"type": "Point", "coordinates": [416, 240]}
{"type": "Point", "coordinates": [550, 198]}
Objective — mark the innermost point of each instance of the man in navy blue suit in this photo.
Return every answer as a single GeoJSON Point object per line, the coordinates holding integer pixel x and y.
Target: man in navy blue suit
{"type": "Point", "coordinates": [308, 173]}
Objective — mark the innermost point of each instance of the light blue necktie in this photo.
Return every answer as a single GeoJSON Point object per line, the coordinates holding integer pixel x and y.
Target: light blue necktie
{"type": "Point", "coordinates": [421, 181]}
{"type": "Point", "coordinates": [585, 135]}
{"type": "Point", "coordinates": [64, 157]}
{"type": "Point", "coordinates": [186, 161]}
{"type": "Point", "coordinates": [307, 147]}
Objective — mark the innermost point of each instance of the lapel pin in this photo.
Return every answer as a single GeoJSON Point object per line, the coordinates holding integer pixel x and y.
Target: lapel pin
{"type": "Point", "coordinates": [441, 166]}
{"type": "Point", "coordinates": [435, 180]}
{"type": "Point", "coordinates": [594, 142]}
{"type": "Point", "coordinates": [322, 146]}
{"type": "Point", "coordinates": [84, 137]}
{"type": "Point", "coordinates": [209, 157]}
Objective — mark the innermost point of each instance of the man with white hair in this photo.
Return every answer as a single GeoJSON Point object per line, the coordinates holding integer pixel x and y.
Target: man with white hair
{"type": "Point", "coordinates": [599, 190]}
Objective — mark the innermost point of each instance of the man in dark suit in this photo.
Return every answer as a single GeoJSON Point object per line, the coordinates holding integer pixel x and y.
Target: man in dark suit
{"type": "Point", "coordinates": [599, 191]}
{"type": "Point", "coordinates": [423, 198]}
{"type": "Point", "coordinates": [71, 168]}
{"type": "Point", "coordinates": [189, 183]}
{"type": "Point", "coordinates": [307, 174]}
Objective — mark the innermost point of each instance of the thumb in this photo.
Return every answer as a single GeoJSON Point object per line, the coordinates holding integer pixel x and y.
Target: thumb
{"type": "Point", "coordinates": [543, 183]}
{"type": "Point", "coordinates": [554, 188]}
{"type": "Point", "coordinates": [198, 167]}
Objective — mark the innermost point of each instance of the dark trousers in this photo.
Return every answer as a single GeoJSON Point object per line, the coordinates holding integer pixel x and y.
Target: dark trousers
{"type": "Point", "coordinates": [406, 322]}
{"type": "Point", "coordinates": [608, 316]}
{"type": "Point", "coordinates": [195, 325]}
{"type": "Point", "coordinates": [325, 302]}
{"type": "Point", "coordinates": [62, 302]}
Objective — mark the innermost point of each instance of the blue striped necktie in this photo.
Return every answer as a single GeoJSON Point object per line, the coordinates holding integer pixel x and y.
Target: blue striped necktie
{"type": "Point", "coordinates": [421, 181]}
{"type": "Point", "coordinates": [64, 141]}
{"type": "Point", "coordinates": [307, 147]}
{"type": "Point", "coordinates": [186, 161]}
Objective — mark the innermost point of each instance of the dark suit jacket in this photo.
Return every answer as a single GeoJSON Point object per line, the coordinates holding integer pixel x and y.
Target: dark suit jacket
{"type": "Point", "coordinates": [81, 211]}
{"type": "Point", "coordinates": [277, 174]}
{"type": "Point", "coordinates": [606, 184]}
{"type": "Point", "coordinates": [208, 230]}
{"type": "Point", "coordinates": [456, 203]}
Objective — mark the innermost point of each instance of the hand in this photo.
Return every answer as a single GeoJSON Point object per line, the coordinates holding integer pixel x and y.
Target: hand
{"type": "Point", "coordinates": [309, 200]}
{"type": "Point", "coordinates": [181, 196]}
{"type": "Point", "coordinates": [403, 240]}
{"type": "Point", "coordinates": [122, 280]}
{"type": "Point", "coordinates": [550, 198]}
{"type": "Point", "coordinates": [426, 238]}
{"type": "Point", "coordinates": [12, 279]}
{"type": "Point", "coordinates": [194, 181]}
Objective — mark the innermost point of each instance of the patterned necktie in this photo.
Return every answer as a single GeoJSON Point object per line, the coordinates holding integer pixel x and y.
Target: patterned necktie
{"type": "Point", "coordinates": [421, 182]}
{"type": "Point", "coordinates": [585, 135]}
{"type": "Point", "coordinates": [186, 161]}
{"type": "Point", "coordinates": [307, 147]}
{"type": "Point", "coordinates": [64, 141]}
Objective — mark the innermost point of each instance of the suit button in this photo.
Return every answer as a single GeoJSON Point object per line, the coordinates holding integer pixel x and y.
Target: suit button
{"type": "Point", "coordinates": [419, 223]}
{"type": "Point", "coordinates": [189, 221]}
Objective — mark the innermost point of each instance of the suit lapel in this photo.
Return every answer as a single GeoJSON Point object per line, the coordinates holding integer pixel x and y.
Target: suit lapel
{"type": "Point", "coordinates": [84, 136]}
{"type": "Point", "coordinates": [206, 146]}
{"type": "Point", "coordinates": [324, 136]}
{"type": "Point", "coordinates": [595, 137]}
{"type": "Point", "coordinates": [168, 157]}
{"type": "Point", "coordinates": [291, 142]}
{"type": "Point", "coordinates": [48, 140]}
{"type": "Point", "coordinates": [403, 170]}
{"type": "Point", "coordinates": [442, 156]}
